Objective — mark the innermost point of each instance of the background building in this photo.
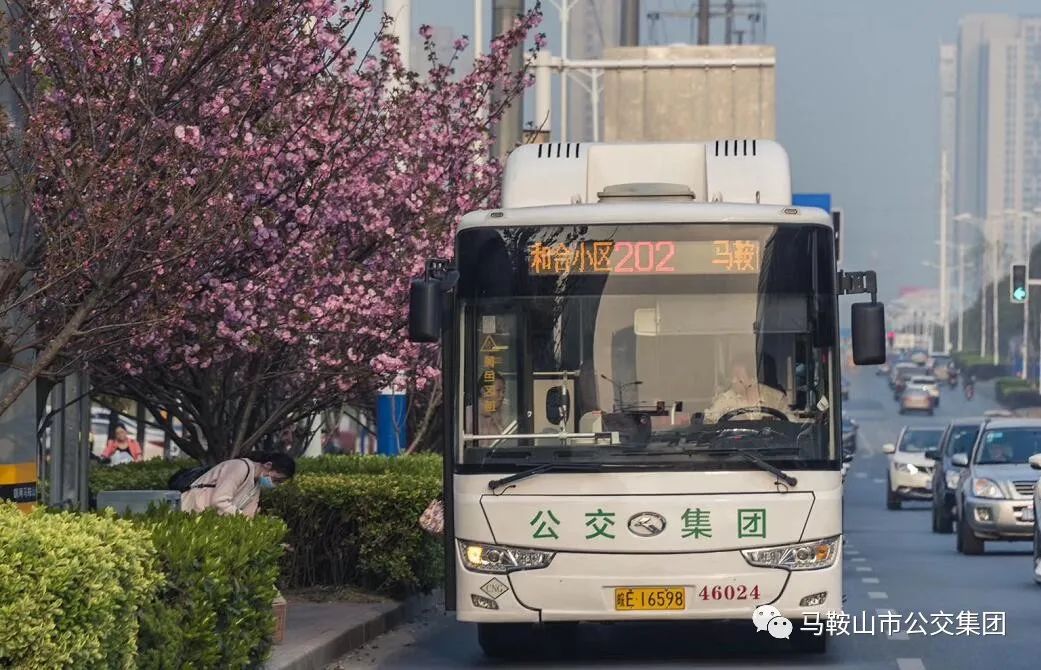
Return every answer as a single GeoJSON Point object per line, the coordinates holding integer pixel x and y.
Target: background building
{"type": "Point", "coordinates": [998, 136]}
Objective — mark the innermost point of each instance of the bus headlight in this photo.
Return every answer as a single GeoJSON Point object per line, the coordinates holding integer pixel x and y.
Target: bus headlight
{"type": "Point", "coordinates": [803, 556]}
{"type": "Point", "coordinates": [500, 560]}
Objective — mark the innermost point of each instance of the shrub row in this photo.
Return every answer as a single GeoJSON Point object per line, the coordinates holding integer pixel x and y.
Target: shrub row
{"type": "Point", "coordinates": [983, 368]}
{"type": "Point", "coordinates": [153, 474]}
{"type": "Point", "coordinates": [1006, 385]}
{"type": "Point", "coordinates": [359, 530]}
{"type": "Point", "coordinates": [352, 520]}
{"type": "Point", "coordinates": [167, 590]}
{"type": "Point", "coordinates": [214, 609]}
{"type": "Point", "coordinates": [70, 589]}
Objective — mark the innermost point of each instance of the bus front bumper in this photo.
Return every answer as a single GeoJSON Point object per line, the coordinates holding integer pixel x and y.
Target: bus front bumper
{"type": "Point", "coordinates": [718, 585]}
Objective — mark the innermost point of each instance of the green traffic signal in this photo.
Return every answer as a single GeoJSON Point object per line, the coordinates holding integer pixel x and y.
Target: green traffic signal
{"type": "Point", "coordinates": [1019, 294]}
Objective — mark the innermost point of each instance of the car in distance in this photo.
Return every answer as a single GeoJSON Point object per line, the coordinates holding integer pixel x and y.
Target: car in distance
{"type": "Point", "coordinates": [902, 375]}
{"type": "Point", "coordinates": [940, 366]}
{"type": "Point", "coordinates": [916, 399]}
{"type": "Point", "coordinates": [958, 438]}
{"type": "Point", "coordinates": [845, 388]}
{"type": "Point", "coordinates": [995, 498]}
{"type": "Point", "coordinates": [929, 384]}
{"type": "Point", "coordinates": [910, 472]}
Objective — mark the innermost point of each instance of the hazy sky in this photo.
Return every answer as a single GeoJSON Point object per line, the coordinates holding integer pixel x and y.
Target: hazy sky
{"type": "Point", "coordinates": [858, 110]}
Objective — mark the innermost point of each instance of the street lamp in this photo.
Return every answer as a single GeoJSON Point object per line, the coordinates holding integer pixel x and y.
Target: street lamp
{"type": "Point", "coordinates": [982, 265]}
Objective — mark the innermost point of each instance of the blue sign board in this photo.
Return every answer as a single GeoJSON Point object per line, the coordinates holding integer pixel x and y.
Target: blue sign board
{"type": "Point", "coordinates": [822, 200]}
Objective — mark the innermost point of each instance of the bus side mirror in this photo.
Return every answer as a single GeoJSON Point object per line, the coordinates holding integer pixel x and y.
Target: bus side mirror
{"type": "Point", "coordinates": [869, 333]}
{"type": "Point", "coordinates": [424, 310]}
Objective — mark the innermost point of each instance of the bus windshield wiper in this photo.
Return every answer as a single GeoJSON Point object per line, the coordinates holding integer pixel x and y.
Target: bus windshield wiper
{"type": "Point", "coordinates": [546, 467]}
{"type": "Point", "coordinates": [755, 459]}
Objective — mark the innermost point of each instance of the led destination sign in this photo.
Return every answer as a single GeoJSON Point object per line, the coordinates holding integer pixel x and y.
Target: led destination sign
{"type": "Point", "coordinates": [623, 257]}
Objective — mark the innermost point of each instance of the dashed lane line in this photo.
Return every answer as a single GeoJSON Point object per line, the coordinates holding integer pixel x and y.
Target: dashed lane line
{"type": "Point", "coordinates": [910, 664]}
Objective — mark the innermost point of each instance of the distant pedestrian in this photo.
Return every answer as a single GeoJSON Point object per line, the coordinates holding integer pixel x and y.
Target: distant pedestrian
{"type": "Point", "coordinates": [233, 487]}
{"type": "Point", "coordinates": [122, 448]}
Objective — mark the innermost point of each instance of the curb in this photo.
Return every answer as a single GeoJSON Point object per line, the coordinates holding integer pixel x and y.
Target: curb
{"type": "Point", "coordinates": [330, 647]}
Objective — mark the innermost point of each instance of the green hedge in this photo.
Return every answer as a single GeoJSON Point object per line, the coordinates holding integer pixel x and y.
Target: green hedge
{"type": "Point", "coordinates": [352, 520]}
{"type": "Point", "coordinates": [162, 591]}
{"type": "Point", "coordinates": [153, 474]}
{"type": "Point", "coordinates": [215, 608]}
{"type": "Point", "coordinates": [359, 530]}
{"type": "Point", "coordinates": [70, 589]}
{"type": "Point", "coordinates": [982, 367]}
{"type": "Point", "coordinates": [420, 464]}
{"type": "Point", "coordinates": [1003, 386]}
{"type": "Point", "coordinates": [145, 476]}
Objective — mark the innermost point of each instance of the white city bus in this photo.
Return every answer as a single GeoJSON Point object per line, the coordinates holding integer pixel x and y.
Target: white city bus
{"type": "Point", "coordinates": [642, 405]}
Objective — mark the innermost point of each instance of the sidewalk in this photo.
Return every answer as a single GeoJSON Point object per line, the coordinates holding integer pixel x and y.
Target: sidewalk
{"type": "Point", "coordinates": [317, 634]}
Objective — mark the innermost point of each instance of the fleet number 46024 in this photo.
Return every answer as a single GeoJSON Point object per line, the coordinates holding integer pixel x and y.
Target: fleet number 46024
{"type": "Point", "coordinates": [729, 592]}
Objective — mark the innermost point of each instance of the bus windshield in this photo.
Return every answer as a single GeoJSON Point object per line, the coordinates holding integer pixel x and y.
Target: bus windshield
{"type": "Point", "coordinates": [647, 343]}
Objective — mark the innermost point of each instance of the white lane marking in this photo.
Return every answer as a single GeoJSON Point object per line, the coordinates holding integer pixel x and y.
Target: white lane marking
{"type": "Point", "coordinates": [852, 552]}
{"type": "Point", "coordinates": [864, 568]}
{"type": "Point", "coordinates": [879, 480]}
{"type": "Point", "coordinates": [869, 580]}
{"type": "Point", "coordinates": [867, 446]}
{"type": "Point", "coordinates": [858, 560]}
{"type": "Point", "coordinates": [878, 595]}
{"type": "Point", "coordinates": [860, 475]}
{"type": "Point", "coordinates": [910, 664]}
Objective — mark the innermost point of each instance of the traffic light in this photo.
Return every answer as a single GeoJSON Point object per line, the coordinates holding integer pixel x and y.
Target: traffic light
{"type": "Point", "coordinates": [1018, 285]}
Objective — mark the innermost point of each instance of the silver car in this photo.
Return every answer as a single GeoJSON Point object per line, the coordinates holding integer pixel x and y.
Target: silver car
{"type": "Point", "coordinates": [995, 496]}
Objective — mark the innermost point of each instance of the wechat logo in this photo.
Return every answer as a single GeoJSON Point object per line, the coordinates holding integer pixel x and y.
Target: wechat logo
{"type": "Point", "coordinates": [768, 618]}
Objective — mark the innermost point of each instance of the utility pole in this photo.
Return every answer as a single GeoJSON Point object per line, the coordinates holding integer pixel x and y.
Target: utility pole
{"type": "Point", "coordinates": [945, 316]}
{"type": "Point", "coordinates": [511, 127]}
{"type": "Point", "coordinates": [983, 292]}
{"type": "Point", "coordinates": [961, 297]}
{"type": "Point", "coordinates": [19, 464]}
{"type": "Point", "coordinates": [704, 14]}
{"type": "Point", "coordinates": [729, 16]}
{"type": "Point", "coordinates": [630, 33]}
{"type": "Point", "coordinates": [995, 343]}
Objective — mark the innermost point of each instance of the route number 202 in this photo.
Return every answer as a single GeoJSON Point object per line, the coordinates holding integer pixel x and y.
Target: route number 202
{"type": "Point", "coordinates": [729, 592]}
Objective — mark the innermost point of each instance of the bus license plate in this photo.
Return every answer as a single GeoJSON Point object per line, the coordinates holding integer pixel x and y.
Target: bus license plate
{"type": "Point", "coordinates": [650, 598]}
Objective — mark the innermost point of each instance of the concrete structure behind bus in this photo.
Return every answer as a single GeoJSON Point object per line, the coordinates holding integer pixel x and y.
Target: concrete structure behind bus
{"type": "Point", "coordinates": [691, 103]}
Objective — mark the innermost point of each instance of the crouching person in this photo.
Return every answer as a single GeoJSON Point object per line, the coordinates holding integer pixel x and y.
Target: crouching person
{"type": "Point", "coordinates": [233, 487]}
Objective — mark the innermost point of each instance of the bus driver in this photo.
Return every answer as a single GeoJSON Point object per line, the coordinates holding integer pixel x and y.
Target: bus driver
{"type": "Point", "coordinates": [745, 390]}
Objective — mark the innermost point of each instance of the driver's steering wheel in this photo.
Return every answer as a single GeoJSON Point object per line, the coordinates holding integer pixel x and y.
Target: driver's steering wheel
{"type": "Point", "coordinates": [757, 409]}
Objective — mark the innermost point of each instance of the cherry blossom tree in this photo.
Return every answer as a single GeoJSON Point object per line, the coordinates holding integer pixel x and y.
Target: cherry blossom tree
{"type": "Point", "coordinates": [305, 182]}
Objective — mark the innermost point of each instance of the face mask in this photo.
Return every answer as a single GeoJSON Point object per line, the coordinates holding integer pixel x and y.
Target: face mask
{"type": "Point", "coordinates": [266, 483]}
